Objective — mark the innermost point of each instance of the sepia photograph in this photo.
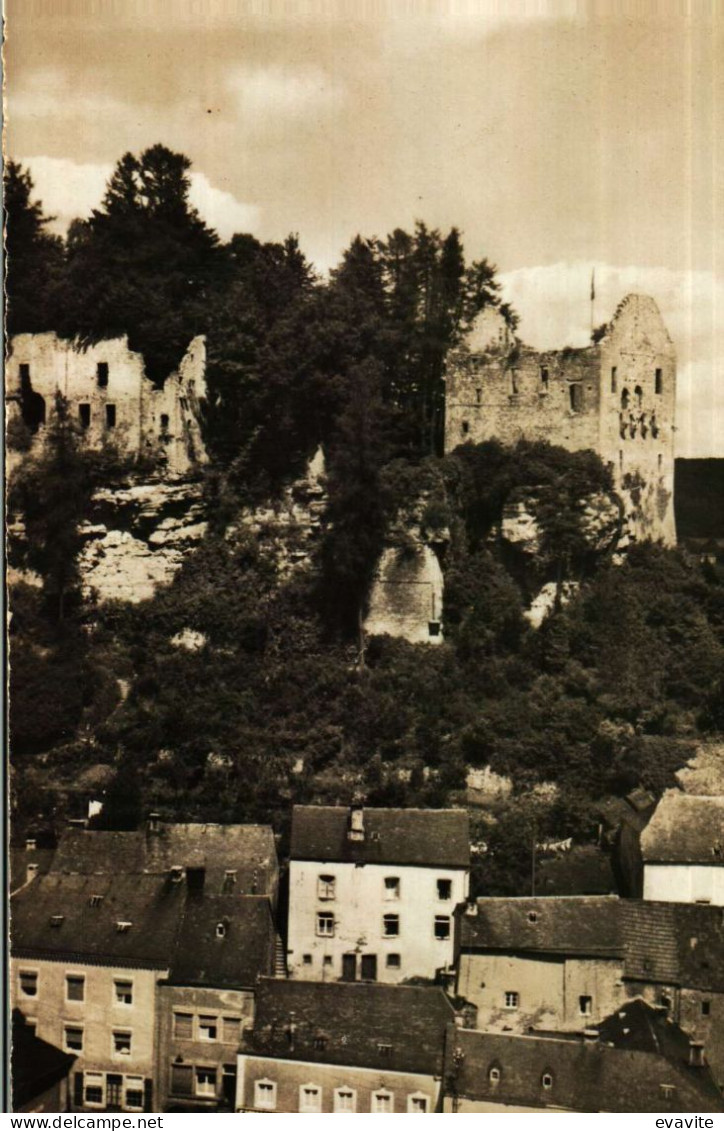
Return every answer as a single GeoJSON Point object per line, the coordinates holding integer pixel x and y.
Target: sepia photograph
{"type": "Point", "coordinates": [364, 532]}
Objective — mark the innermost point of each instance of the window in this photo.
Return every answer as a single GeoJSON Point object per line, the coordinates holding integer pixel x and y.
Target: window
{"type": "Point", "coordinates": [265, 1095]}
{"type": "Point", "coordinates": [478, 396]}
{"type": "Point", "coordinates": [123, 993]}
{"type": "Point", "coordinates": [382, 1102]}
{"type": "Point", "coordinates": [465, 427]}
{"type": "Point", "coordinates": [585, 1005]}
{"type": "Point", "coordinates": [307, 959]}
{"type": "Point", "coordinates": [532, 916]}
{"type": "Point", "coordinates": [442, 926]}
{"type": "Point", "coordinates": [547, 1081]}
{"type": "Point", "coordinates": [668, 1091]}
{"type": "Point", "coordinates": [384, 1048]}
{"type": "Point", "coordinates": [114, 1091]}
{"type": "Point", "coordinates": [390, 926]}
{"type": "Point", "coordinates": [84, 415]}
{"type": "Point", "coordinates": [433, 628]}
{"type": "Point", "coordinates": [325, 924]}
{"type": "Point", "coordinates": [95, 900]}
{"type": "Point", "coordinates": [56, 920]}
{"type": "Point", "coordinates": [231, 1029]}
{"type": "Point", "coordinates": [110, 416]}
{"type": "Point", "coordinates": [134, 1091]}
{"type": "Point", "coordinates": [28, 980]}
{"type": "Point", "coordinates": [575, 397]}
{"type": "Point", "coordinates": [614, 379]}
{"type": "Point", "coordinates": [392, 887]}
{"type": "Point", "coordinates": [182, 1079]}
{"type": "Point", "coordinates": [320, 1041]}
{"type": "Point", "coordinates": [74, 987]}
{"type": "Point", "coordinates": [514, 382]}
{"type": "Point", "coordinates": [310, 1098]}
{"type": "Point", "coordinates": [102, 374]}
{"type": "Point", "coordinates": [345, 1099]}
{"type": "Point", "coordinates": [93, 1088]}
{"type": "Point", "coordinates": [494, 1074]}
{"type": "Point", "coordinates": [164, 423]}
{"type": "Point", "coordinates": [205, 1081]}
{"type": "Point", "coordinates": [544, 379]}
{"type": "Point", "coordinates": [417, 1104]}
{"type": "Point", "coordinates": [73, 1038]}
{"type": "Point", "coordinates": [327, 960]}
{"type": "Point", "coordinates": [221, 930]}
{"type": "Point", "coordinates": [183, 1026]}
{"type": "Point", "coordinates": [659, 382]}
{"type": "Point", "coordinates": [325, 887]}
{"type": "Point", "coordinates": [705, 1008]}
{"type": "Point", "coordinates": [392, 961]}
{"type": "Point", "coordinates": [512, 999]}
{"type": "Point", "coordinates": [123, 926]}
{"type": "Point", "coordinates": [444, 889]}
{"type": "Point", "coordinates": [121, 1042]}
{"type": "Point", "coordinates": [208, 1027]}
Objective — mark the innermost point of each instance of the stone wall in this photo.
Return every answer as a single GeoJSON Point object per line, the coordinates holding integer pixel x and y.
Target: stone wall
{"type": "Point", "coordinates": [406, 595]}
{"type": "Point", "coordinates": [111, 399]}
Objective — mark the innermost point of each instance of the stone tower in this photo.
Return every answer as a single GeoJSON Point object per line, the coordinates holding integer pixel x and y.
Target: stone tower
{"type": "Point", "coordinates": [616, 397]}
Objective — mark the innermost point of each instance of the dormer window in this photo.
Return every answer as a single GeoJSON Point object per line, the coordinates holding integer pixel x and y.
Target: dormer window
{"type": "Point", "coordinates": [30, 844]}
{"type": "Point", "coordinates": [326, 887]}
{"type": "Point", "coordinates": [177, 874]}
{"type": "Point", "coordinates": [56, 920]}
{"type": "Point", "coordinates": [221, 930]}
{"type": "Point", "coordinates": [122, 926]}
{"type": "Point", "coordinates": [95, 900]}
{"type": "Point", "coordinates": [384, 1048]}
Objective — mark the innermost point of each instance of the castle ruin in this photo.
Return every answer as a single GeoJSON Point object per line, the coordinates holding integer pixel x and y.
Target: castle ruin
{"type": "Point", "coordinates": [616, 397]}
{"type": "Point", "coordinates": [111, 399]}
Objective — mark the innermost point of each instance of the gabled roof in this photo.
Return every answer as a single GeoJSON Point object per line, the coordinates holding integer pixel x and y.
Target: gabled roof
{"type": "Point", "coordinates": [59, 915]}
{"type": "Point", "coordinates": [569, 925]}
{"type": "Point", "coordinates": [685, 828]}
{"type": "Point", "coordinates": [224, 941]}
{"type": "Point", "coordinates": [584, 1075]}
{"type": "Point", "coordinates": [675, 943]}
{"type": "Point", "coordinates": [424, 837]}
{"type": "Point", "coordinates": [36, 1065]}
{"type": "Point", "coordinates": [361, 1024]}
{"type": "Point", "coordinates": [250, 850]}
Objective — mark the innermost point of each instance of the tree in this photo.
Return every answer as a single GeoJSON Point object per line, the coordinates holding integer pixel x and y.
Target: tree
{"type": "Point", "coordinates": [34, 258]}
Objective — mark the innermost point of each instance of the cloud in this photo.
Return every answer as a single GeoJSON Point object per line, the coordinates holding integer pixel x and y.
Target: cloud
{"type": "Point", "coordinates": [555, 310]}
{"type": "Point", "coordinates": [69, 190]}
{"type": "Point", "coordinates": [283, 93]}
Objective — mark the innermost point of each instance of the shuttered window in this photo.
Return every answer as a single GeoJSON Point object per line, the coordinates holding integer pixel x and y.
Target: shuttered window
{"type": "Point", "coordinates": [182, 1079]}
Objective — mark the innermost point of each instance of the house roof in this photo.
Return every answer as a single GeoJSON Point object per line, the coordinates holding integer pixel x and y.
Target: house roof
{"type": "Point", "coordinates": [424, 837]}
{"type": "Point", "coordinates": [554, 925]}
{"type": "Point", "coordinates": [585, 1075]}
{"type": "Point", "coordinates": [361, 1024]}
{"type": "Point", "coordinates": [676, 943]}
{"type": "Point", "coordinates": [20, 858]}
{"type": "Point", "coordinates": [224, 941]}
{"type": "Point", "coordinates": [685, 828]}
{"type": "Point", "coordinates": [250, 850]}
{"type": "Point", "coordinates": [63, 915]}
{"type": "Point", "coordinates": [36, 1065]}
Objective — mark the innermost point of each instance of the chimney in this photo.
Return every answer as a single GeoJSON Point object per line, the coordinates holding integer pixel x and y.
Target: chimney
{"type": "Point", "coordinates": [154, 823]}
{"type": "Point", "coordinates": [356, 823]}
{"type": "Point", "coordinates": [696, 1054]}
{"type": "Point", "coordinates": [30, 844]}
{"type": "Point", "coordinates": [471, 908]}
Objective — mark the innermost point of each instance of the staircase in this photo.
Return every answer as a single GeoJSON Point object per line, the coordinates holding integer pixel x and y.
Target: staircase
{"type": "Point", "coordinates": [280, 958]}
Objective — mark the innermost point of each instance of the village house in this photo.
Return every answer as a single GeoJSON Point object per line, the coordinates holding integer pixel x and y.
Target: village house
{"type": "Point", "coordinates": [616, 397]}
{"type": "Point", "coordinates": [554, 961]}
{"type": "Point", "coordinates": [110, 398]}
{"type": "Point", "coordinates": [225, 944]}
{"type": "Point", "coordinates": [636, 1060]}
{"type": "Point", "coordinates": [372, 891]}
{"type": "Point", "coordinates": [683, 849]}
{"type": "Point", "coordinates": [321, 1047]}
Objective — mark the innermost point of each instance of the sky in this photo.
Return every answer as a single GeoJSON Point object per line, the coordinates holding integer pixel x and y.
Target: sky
{"type": "Point", "coordinates": [560, 137]}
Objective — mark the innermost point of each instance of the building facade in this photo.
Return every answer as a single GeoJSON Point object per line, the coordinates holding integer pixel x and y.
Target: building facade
{"type": "Point", "coordinates": [683, 850]}
{"type": "Point", "coordinates": [372, 892]}
{"type": "Point", "coordinates": [111, 401]}
{"type": "Point", "coordinates": [616, 397]}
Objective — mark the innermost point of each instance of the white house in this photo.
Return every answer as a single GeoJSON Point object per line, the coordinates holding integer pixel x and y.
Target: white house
{"type": "Point", "coordinates": [372, 891]}
{"type": "Point", "coordinates": [683, 850]}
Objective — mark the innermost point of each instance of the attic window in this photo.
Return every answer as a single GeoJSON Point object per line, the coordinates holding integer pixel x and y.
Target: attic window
{"type": "Point", "coordinates": [221, 930]}
{"type": "Point", "coordinates": [30, 844]}
{"type": "Point", "coordinates": [95, 900]}
{"type": "Point", "coordinates": [668, 1091]}
{"type": "Point", "coordinates": [122, 925]}
{"type": "Point", "coordinates": [547, 1081]}
{"type": "Point", "coordinates": [56, 920]}
{"type": "Point", "coordinates": [384, 1048]}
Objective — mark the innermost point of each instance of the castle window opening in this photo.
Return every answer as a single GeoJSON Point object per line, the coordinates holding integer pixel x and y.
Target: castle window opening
{"type": "Point", "coordinates": [84, 415]}
{"type": "Point", "coordinates": [660, 461]}
{"type": "Point", "coordinates": [164, 423]}
{"type": "Point", "coordinates": [624, 398]}
{"type": "Point", "coordinates": [465, 427]}
{"type": "Point", "coordinates": [102, 374]}
{"type": "Point", "coordinates": [614, 379]}
{"type": "Point", "coordinates": [514, 382]}
{"type": "Point", "coordinates": [638, 393]}
{"type": "Point", "coordinates": [110, 416]}
{"type": "Point", "coordinates": [654, 426]}
{"type": "Point", "coordinates": [659, 382]}
{"type": "Point", "coordinates": [575, 395]}
{"type": "Point", "coordinates": [620, 459]}
{"type": "Point", "coordinates": [478, 396]}
{"type": "Point", "coordinates": [544, 379]}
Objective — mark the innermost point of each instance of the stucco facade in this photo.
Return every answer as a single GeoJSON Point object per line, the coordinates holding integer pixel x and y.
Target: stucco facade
{"type": "Point", "coordinates": [271, 1084]}
{"type": "Point", "coordinates": [685, 883]}
{"type": "Point", "coordinates": [616, 397]}
{"type": "Point", "coordinates": [111, 400]}
{"type": "Point", "coordinates": [377, 922]}
{"type": "Point", "coordinates": [104, 1015]}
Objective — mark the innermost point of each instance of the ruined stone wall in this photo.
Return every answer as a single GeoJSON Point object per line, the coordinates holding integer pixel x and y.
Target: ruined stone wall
{"type": "Point", "coordinates": [111, 400]}
{"type": "Point", "coordinates": [638, 398]}
{"type": "Point", "coordinates": [407, 595]}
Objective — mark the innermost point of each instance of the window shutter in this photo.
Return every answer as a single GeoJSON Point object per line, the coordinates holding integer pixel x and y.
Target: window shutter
{"type": "Point", "coordinates": [77, 1089]}
{"type": "Point", "coordinates": [148, 1095]}
{"type": "Point", "coordinates": [182, 1079]}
